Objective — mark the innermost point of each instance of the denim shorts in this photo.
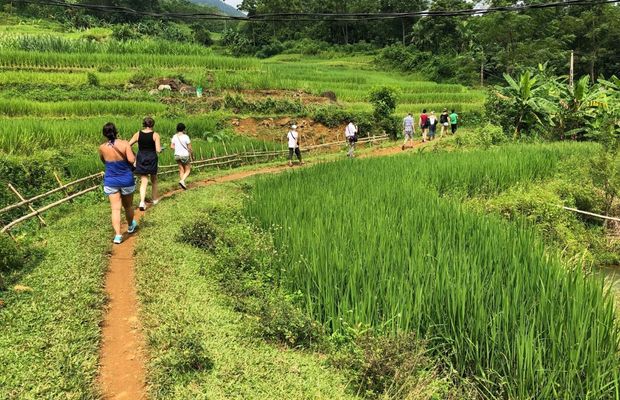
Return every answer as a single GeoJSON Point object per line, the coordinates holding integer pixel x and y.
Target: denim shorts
{"type": "Point", "coordinates": [125, 191]}
{"type": "Point", "coordinates": [182, 159]}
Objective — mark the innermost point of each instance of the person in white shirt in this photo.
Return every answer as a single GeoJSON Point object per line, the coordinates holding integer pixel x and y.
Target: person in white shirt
{"type": "Point", "coordinates": [293, 145]}
{"type": "Point", "coordinates": [408, 129]}
{"type": "Point", "coordinates": [350, 133]}
{"type": "Point", "coordinates": [183, 153]}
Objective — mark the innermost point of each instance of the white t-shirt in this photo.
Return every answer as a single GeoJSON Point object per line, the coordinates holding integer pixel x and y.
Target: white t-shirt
{"type": "Point", "coordinates": [181, 143]}
{"type": "Point", "coordinates": [408, 123]}
{"type": "Point", "coordinates": [350, 131]}
{"type": "Point", "coordinates": [432, 120]}
{"type": "Point", "coordinates": [292, 139]}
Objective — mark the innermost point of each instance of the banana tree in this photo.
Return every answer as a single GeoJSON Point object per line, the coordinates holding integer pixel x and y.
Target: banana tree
{"type": "Point", "coordinates": [530, 97]}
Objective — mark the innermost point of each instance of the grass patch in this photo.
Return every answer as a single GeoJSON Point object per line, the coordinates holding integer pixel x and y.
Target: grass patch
{"type": "Point", "coordinates": [50, 326]}
{"type": "Point", "coordinates": [178, 287]}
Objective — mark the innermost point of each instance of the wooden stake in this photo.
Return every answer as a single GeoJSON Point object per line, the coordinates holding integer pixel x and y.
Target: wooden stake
{"type": "Point", "coordinates": [61, 184]}
{"type": "Point", "coordinates": [29, 205]}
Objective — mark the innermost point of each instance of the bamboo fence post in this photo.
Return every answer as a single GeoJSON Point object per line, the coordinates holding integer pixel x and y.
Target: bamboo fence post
{"type": "Point", "coordinates": [61, 184]}
{"type": "Point", "coordinates": [29, 205]}
{"type": "Point", "coordinates": [215, 156]}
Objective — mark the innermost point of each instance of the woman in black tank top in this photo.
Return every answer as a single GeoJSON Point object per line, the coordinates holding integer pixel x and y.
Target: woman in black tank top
{"type": "Point", "coordinates": [149, 145]}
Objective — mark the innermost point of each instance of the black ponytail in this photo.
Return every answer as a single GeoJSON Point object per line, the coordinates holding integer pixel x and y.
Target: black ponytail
{"type": "Point", "coordinates": [110, 132]}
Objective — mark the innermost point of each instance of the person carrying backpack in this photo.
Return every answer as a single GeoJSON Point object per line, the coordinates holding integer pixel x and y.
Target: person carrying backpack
{"type": "Point", "coordinates": [293, 145]}
{"type": "Point", "coordinates": [183, 153]}
{"type": "Point", "coordinates": [149, 146]}
{"type": "Point", "coordinates": [432, 125]}
{"type": "Point", "coordinates": [444, 120]}
{"type": "Point", "coordinates": [424, 124]}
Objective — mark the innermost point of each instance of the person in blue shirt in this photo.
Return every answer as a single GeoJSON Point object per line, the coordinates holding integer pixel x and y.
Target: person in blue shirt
{"type": "Point", "coordinates": [118, 181]}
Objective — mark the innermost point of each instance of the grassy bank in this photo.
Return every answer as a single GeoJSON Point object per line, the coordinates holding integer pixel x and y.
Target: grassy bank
{"type": "Point", "coordinates": [50, 325]}
{"type": "Point", "coordinates": [187, 319]}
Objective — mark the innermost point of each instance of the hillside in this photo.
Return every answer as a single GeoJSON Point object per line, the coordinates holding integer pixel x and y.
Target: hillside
{"type": "Point", "coordinates": [220, 5]}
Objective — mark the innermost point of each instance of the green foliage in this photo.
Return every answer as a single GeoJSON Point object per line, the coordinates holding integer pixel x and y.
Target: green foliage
{"type": "Point", "coordinates": [187, 352]}
{"type": "Point", "coordinates": [61, 312]}
{"type": "Point", "coordinates": [202, 234]}
{"type": "Point", "coordinates": [11, 258]}
{"type": "Point", "coordinates": [383, 100]}
{"type": "Point", "coordinates": [93, 80]}
{"type": "Point", "coordinates": [343, 281]}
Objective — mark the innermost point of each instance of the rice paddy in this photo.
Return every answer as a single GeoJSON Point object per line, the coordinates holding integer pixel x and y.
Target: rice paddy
{"type": "Point", "coordinates": [403, 254]}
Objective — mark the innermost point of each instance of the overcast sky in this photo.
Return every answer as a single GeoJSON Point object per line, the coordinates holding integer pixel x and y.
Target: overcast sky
{"type": "Point", "coordinates": [233, 3]}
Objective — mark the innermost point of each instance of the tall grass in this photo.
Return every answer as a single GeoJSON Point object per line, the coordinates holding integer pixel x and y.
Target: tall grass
{"type": "Point", "coordinates": [20, 107]}
{"type": "Point", "coordinates": [60, 44]}
{"type": "Point", "coordinates": [377, 243]}
{"type": "Point", "coordinates": [29, 59]}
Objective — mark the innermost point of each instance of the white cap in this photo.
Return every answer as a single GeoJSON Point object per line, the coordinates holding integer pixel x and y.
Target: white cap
{"type": "Point", "coordinates": [293, 126]}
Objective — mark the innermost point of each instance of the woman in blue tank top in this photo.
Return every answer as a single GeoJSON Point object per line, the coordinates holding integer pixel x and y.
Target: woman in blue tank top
{"type": "Point", "coordinates": [118, 180]}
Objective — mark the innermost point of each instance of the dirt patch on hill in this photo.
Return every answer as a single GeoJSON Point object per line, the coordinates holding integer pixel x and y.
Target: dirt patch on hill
{"type": "Point", "coordinates": [297, 95]}
{"type": "Point", "coordinates": [276, 129]}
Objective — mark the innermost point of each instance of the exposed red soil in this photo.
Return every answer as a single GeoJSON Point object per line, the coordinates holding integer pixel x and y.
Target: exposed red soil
{"type": "Point", "coordinates": [122, 373]}
{"type": "Point", "coordinates": [275, 129]}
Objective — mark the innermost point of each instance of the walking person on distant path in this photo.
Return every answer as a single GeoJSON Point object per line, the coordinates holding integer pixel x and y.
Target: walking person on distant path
{"type": "Point", "coordinates": [118, 181]}
{"type": "Point", "coordinates": [293, 145]}
{"type": "Point", "coordinates": [149, 146]}
{"type": "Point", "coordinates": [350, 133]}
{"type": "Point", "coordinates": [444, 120]}
{"type": "Point", "coordinates": [432, 125]}
{"type": "Point", "coordinates": [424, 124]}
{"type": "Point", "coordinates": [183, 153]}
{"type": "Point", "coordinates": [454, 121]}
{"type": "Point", "coordinates": [408, 129]}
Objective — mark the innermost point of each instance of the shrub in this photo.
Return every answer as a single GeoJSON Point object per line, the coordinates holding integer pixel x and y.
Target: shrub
{"type": "Point", "coordinates": [281, 320]}
{"type": "Point", "coordinates": [93, 80]}
{"type": "Point", "coordinates": [201, 234]}
{"type": "Point", "coordinates": [124, 32]}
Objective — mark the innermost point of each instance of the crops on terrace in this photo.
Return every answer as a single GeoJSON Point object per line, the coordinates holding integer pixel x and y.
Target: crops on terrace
{"type": "Point", "coordinates": [387, 243]}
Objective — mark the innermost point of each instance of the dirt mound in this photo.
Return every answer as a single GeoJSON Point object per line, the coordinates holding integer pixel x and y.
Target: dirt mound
{"type": "Point", "coordinates": [175, 85]}
{"type": "Point", "coordinates": [275, 129]}
{"type": "Point", "coordinates": [297, 95]}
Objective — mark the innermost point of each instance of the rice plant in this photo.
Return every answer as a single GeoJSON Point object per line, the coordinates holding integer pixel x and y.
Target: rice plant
{"type": "Point", "coordinates": [388, 244]}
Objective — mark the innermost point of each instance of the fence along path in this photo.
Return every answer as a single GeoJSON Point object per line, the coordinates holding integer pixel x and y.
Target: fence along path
{"type": "Point", "coordinates": [230, 160]}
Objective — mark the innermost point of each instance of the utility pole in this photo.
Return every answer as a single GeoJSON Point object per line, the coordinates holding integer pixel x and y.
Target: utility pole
{"type": "Point", "coordinates": [572, 69]}
{"type": "Point", "coordinates": [482, 73]}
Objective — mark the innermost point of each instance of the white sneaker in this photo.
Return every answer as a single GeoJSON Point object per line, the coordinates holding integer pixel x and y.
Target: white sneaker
{"type": "Point", "coordinates": [155, 202]}
{"type": "Point", "coordinates": [142, 206]}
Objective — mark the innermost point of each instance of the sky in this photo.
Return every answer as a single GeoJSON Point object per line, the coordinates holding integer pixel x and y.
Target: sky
{"type": "Point", "coordinates": [233, 3]}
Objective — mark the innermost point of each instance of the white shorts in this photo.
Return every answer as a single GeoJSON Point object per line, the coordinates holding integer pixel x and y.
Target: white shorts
{"type": "Point", "coordinates": [409, 134]}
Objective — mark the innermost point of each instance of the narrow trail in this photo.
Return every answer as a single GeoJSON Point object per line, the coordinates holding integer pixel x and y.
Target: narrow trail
{"type": "Point", "coordinates": [122, 372]}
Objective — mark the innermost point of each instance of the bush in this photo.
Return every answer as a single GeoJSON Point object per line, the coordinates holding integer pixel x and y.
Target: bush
{"type": "Point", "coordinates": [281, 320]}
{"type": "Point", "coordinates": [490, 135]}
{"type": "Point", "coordinates": [202, 35]}
{"type": "Point", "coordinates": [391, 367]}
{"type": "Point", "coordinates": [270, 50]}
{"type": "Point", "coordinates": [93, 80]}
{"type": "Point", "coordinates": [124, 32]}
{"type": "Point", "coordinates": [202, 234]}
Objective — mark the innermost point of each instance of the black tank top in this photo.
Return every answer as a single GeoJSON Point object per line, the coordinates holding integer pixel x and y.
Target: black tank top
{"type": "Point", "coordinates": [146, 141]}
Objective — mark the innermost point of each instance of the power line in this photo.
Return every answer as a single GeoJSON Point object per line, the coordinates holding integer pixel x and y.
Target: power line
{"type": "Point", "coordinates": [314, 17]}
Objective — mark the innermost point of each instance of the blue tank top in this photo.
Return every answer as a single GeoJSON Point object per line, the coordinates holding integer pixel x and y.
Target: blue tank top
{"type": "Point", "coordinates": [118, 174]}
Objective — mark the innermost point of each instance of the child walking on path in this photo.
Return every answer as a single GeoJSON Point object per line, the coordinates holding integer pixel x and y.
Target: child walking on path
{"type": "Point", "coordinates": [293, 145]}
{"type": "Point", "coordinates": [149, 146]}
{"type": "Point", "coordinates": [183, 153]}
{"type": "Point", "coordinates": [118, 181]}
